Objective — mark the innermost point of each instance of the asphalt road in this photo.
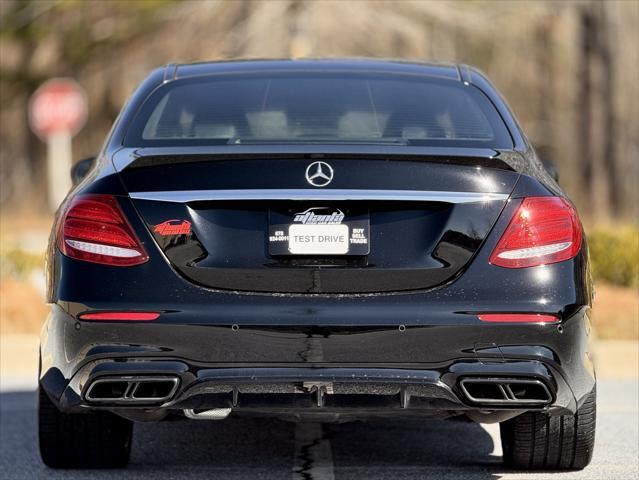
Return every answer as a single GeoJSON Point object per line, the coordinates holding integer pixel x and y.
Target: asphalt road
{"type": "Point", "coordinates": [270, 449]}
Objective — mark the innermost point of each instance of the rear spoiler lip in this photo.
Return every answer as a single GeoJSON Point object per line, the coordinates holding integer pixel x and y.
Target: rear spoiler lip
{"type": "Point", "coordinates": [128, 158]}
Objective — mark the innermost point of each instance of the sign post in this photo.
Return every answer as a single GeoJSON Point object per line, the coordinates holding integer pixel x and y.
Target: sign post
{"type": "Point", "coordinates": [57, 111]}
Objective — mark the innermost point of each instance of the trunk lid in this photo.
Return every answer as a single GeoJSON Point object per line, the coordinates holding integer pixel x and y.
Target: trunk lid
{"type": "Point", "coordinates": [410, 223]}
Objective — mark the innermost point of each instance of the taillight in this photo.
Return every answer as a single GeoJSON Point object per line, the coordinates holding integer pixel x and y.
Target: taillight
{"type": "Point", "coordinates": [544, 230]}
{"type": "Point", "coordinates": [94, 229]}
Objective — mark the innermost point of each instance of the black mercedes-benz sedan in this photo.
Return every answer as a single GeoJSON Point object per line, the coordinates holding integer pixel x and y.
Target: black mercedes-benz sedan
{"type": "Point", "coordinates": [324, 240]}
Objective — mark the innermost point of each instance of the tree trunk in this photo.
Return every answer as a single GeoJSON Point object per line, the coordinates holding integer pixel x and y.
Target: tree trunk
{"type": "Point", "coordinates": [608, 115]}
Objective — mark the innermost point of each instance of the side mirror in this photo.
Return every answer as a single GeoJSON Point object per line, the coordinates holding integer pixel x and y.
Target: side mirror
{"type": "Point", "coordinates": [80, 169]}
{"type": "Point", "coordinates": [551, 169]}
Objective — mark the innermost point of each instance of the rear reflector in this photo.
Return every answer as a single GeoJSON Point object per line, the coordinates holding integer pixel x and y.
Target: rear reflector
{"type": "Point", "coordinates": [120, 316]}
{"type": "Point", "coordinates": [543, 230]}
{"type": "Point", "coordinates": [517, 318]}
{"type": "Point", "coordinates": [93, 229]}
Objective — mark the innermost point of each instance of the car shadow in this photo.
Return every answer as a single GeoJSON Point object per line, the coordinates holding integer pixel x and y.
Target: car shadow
{"type": "Point", "coordinates": [268, 448]}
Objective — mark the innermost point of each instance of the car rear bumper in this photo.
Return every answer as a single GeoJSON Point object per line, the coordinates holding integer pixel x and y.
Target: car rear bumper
{"type": "Point", "coordinates": [301, 371]}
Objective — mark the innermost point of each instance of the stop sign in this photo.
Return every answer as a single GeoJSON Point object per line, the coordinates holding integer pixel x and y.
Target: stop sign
{"type": "Point", "coordinates": [59, 106]}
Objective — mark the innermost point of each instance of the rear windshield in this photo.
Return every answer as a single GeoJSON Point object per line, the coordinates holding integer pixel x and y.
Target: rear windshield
{"type": "Point", "coordinates": [314, 107]}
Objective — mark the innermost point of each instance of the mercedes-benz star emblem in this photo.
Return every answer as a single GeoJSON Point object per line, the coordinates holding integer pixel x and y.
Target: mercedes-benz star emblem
{"type": "Point", "coordinates": [319, 174]}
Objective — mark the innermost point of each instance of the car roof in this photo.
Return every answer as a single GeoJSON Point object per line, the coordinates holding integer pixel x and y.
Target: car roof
{"type": "Point", "coordinates": [450, 71]}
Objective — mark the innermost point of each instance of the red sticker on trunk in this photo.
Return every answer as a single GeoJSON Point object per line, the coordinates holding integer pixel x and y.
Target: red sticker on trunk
{"type": "Point", "coordinates": [173, 227]}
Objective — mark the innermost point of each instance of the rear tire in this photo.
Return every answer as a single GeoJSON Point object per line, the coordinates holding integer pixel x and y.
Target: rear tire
{"type": "Point", "coordinates": [79, 440]}
{"type": "Point", "coordinates": [537, 441]}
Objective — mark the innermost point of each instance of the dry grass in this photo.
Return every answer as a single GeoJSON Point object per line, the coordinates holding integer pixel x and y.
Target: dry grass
{"type": "Point", "coordinates": [21, 220]}
{"type": "Point", "coordinates": [22, 309]}
{"type": "Point", "coordinates": [616, 312]}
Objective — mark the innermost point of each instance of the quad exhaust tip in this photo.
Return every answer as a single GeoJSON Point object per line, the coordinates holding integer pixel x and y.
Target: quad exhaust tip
{"type": "Point", "coordinates": [132, 389]}
{"type": "Point", "coordinates": [506, 391]}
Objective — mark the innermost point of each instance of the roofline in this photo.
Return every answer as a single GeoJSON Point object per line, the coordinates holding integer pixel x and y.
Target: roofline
{"type": "Point", "coordinates": [172, 70]}
{"type": "Point", "coordinates": [461, 73]}
{"type": "Point", "coordinates": [408, 61]}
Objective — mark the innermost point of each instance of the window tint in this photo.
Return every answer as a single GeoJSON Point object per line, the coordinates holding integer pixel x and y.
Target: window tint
{"type": "Point", "coordinates": [318, 107]}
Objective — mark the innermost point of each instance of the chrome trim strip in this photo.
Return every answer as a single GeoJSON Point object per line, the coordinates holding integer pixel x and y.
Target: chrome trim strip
{"type": "Point", "coordinates": [186, 196]}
